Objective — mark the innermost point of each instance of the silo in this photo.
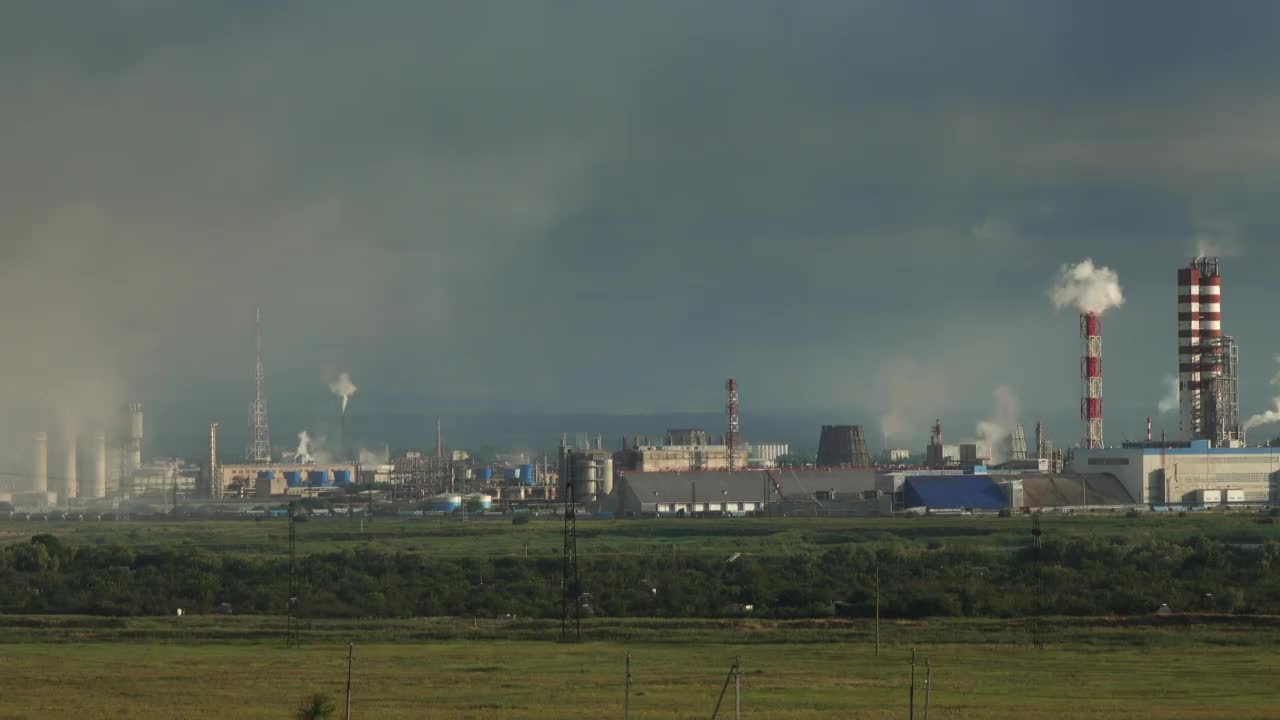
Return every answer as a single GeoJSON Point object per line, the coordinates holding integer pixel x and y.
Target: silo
{"type": "Point", "coordinates": [484, 473]}
{"type": "Point", "coordinates": [40, 471]}
{"type": "Point", "coordinates": [529, 474]}
{"type": "Point", "coordinates": [70, 486]}
{"type": "Point", "coordinates": [98, 488]}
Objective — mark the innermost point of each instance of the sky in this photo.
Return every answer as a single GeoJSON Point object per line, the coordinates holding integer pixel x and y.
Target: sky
{"type": "Point", "coordinates": [854, 208]}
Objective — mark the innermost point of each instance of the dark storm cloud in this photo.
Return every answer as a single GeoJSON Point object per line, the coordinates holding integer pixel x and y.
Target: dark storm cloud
{"type": "Point", "coordinates": [605, 205]}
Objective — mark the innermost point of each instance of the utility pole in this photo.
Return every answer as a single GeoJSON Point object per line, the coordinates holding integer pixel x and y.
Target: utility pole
{"type": "Point", "coordinates": [350, 650]}
{"type": "Point", "coordinates": [737, 689]}
{"type": "Point", "coordinates": [291, 632]}
{"type": "Point", "coordinates": [626, 702]}
{"type": "Point", "coordinates": [928, 677]}
{"type": "Point", "coordinates": [911, 701]}
{"type": "Point", "coordinates": [877, 605]}
{"type": "Point", "coordinates": [734, 672]}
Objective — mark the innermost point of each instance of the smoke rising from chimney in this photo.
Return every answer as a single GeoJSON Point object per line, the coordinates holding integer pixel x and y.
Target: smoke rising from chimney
{"type": "Point", "coordinates": [996, 431]}
{"type": "Point", "coordinates": [1087, 287]}
{"type": "Point", "coordinates": [343, 388]}
{"type": "Point", "coordinates": [303, 453]}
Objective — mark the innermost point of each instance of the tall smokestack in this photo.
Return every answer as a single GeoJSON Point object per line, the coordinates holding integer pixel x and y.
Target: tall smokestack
{"type": "Point", "coordinates": [135, 436]}
{"type": "Point", "coordinates": [40, 473]}
{"type": "Point", "coordinates": [99, 487]}
{"type": "Point", "coordinates": [215, 482]}
{"type": "Point", "coordinates": [70, 486]}
{"type": "Point", "coordinates": [1091, 379]}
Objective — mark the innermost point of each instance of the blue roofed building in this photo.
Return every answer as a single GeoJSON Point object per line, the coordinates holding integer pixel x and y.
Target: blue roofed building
{"type": "Point", "coordinates": [954, 492]}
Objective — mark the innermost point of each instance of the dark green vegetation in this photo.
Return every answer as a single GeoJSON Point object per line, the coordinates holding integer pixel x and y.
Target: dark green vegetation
{"type": "Point", "coordinates": [216, 667]}
{"type": "Point", "coordinates": [928, 567]}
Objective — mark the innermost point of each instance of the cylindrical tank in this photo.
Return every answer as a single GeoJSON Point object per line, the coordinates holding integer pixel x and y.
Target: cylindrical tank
{"type": "Point", "coordinates": [446, 503]}
{"type": "Point", "coordinates": [293, 478]}
{"type": "Point", "coordinates": [266, 475]}
{"type": "Point", "coordinates": [529, 474]}
{"type": "Point", "coordinates": [99, 487]}
{"type": "Point", "coordinates": [606, 476]}
{"type": "Point", "coordinates": [341, 477]}
{"type": "Point", "coordinates": [484, 473]}
{"type": "Point", "coordinates": [317, 478]}
{"type": "Point", "coordinates": [40, 473]}
{"type": "Point", "coordinates": [486, 501]}
{"type": "Point", "coordinates": [511, 474]}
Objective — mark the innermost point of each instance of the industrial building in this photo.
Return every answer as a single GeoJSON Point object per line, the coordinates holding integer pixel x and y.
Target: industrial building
{"type": "Point", "coordinates": [1174, 472]}
{"type": "Point", "coordinates": [683, 450]}
{"type": "Point", "coordinates": [994, 491]}
{"type": "Point", "coordinates": [765, 455]}
{"type": "Point", "coordinates": [739, 493]}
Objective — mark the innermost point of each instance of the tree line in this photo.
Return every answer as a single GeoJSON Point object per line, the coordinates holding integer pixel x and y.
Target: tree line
{"type": "Point", "coordinates": [1069, 576]}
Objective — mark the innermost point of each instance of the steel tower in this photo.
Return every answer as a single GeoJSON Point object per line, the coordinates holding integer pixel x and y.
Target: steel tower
{"type": "Point", "coordinates": [260, 449]}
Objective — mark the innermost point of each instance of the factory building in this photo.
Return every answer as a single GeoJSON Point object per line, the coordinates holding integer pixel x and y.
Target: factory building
{"type": "Point", "coordinates": [739, 493]}
{"type": "Point", "coordinates": [993, 491]}
{"type": "Point", "coordinates": [684, 450]}
{"type": "Point", "coordinates": [1172, 473]}
{"type": "Point", "coordinates": [280, 479]}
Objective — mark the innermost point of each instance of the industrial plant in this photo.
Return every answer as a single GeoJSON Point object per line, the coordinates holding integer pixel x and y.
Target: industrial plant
{"type": "Point", "coordinates": [694, 472]}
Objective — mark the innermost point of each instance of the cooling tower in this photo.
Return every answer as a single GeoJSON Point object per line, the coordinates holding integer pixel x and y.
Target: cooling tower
{"type": "Point", "coordinates": [98, 488]}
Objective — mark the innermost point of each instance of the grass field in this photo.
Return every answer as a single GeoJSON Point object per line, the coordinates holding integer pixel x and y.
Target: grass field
{"type": "Point", "coordinates": [782, 536]}
{"type": "Point", "coordinates": [55, 668]}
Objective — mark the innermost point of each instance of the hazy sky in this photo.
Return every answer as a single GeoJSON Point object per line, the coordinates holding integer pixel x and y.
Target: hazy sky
{"type": "Point", "coordinates": [612, 206]}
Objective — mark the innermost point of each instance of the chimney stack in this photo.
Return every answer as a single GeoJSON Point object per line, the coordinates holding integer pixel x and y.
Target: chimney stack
{"type": "Point", "coordinates": [70, 486]}
{"type": "Point", "coordinates": [135, 436]}
{"type": "Point", "coordinates": [99, 487]}
{"type": "Point", "coordinates": [40, 474]}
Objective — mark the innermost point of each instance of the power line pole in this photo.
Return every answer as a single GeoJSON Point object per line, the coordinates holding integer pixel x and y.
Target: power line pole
{"type": "Point", "coordinates": [292, 630]}
{"type": "Point", "coordinates": [626, 702]}
{"type": "Point", "coordinates": [928, 677]}
{"type": "Point", "coordinates": [732, 676]}
{"type": "Point", "coordinates": [350, 652]}
{"type": "Point", "coordinates": [877, 605]}
{"type": "Point", "coordinates": [569, 583]}
{"type": "Point", "coordinates": [911, 698]}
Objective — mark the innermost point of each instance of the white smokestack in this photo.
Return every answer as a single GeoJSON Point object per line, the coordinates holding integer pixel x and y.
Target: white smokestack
{"type": "Point", "coordinates": [70, 485]}
{"type": "Point", "coordinates": [343, 388]}
{"type": "Point", "coordinates": [99, 487]}
{"type": "Point", "coordinates": [1087, 287]}
{"type": "Point", "coordinates": [40, 473]}
{"type": "Point", "coordinates": [135, 435]}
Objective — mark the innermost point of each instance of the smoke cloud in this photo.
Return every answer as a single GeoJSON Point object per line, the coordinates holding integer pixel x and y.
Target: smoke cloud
{"type": "Point", "coordinates": [1170, 401]}
{"type": "Point", "coordinates": [996, 431]}
{"type": "Point", "coordinates": [343, 388]}
{"type": "Point", "coordinates": [1271, 416]}
{"type": "Point", "coordinates": [914, 395]}
{"type": "Point", "coordinates": [303, 453]}
{"type": "Point", "coordinates": [1087, 287]}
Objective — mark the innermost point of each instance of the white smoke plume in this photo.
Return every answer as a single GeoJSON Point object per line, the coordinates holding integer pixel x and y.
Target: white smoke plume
{"type": "Point", "coordinates": [914, 394]}
{"type": "Point", "coordinates": [375, 457]}
{"type": "Point", "coordinates": [343, 388]}
{"type": "Point", "coordinates": [996, 431]}
{"type": "Point", "coordinates": [1271, 416]}
{"type": "Point", "coordinates": [1087, 287]}
{"type": "Point", "coordinates": [303, 453]}
{"type": "Point", "coordinates": [1170, 401]}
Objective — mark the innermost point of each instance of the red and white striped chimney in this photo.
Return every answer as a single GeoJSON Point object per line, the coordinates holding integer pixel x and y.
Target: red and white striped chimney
{"type": "Point", "coordinates": [1199, 332]}
{"type": "Point", "coordinates": [1091, 379]}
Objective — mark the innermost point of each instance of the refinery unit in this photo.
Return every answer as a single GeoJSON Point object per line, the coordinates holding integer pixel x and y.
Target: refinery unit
{"type": "Point", "coordinates": [692, 472]}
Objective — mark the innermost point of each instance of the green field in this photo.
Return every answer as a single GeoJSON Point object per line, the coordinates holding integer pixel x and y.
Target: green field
{"type": "Point", "coordinates": [86, 668]}
{"type": "Point", "coordinates": [774, 537]}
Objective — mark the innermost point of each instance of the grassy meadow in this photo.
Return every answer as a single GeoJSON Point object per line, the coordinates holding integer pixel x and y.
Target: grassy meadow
{"type": "Point", "coordinates": [452, 670]}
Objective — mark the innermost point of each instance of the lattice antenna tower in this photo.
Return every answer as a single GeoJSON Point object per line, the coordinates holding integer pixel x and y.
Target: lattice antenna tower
{"type": "Point", "coordinates": [731, 409]}
{"type": "Point", "coordinates": [260, 450]}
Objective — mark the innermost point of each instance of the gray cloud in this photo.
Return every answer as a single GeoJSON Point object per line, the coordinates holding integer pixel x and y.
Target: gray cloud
{"type": "Point", "coordinates": [587, 206]}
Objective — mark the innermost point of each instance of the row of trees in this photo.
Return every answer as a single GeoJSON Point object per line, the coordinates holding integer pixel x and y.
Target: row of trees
{"type": "Point", "coordinates": [1071, 577]}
